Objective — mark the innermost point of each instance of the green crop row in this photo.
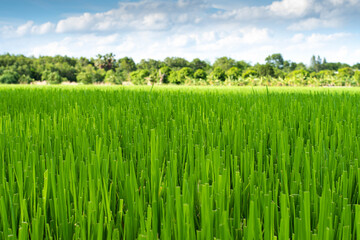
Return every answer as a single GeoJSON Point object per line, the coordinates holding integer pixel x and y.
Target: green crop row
{"type": "Point", "coordinates": [179, 163]}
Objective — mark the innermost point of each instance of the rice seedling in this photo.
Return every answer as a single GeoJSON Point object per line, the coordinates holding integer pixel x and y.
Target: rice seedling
{"type": "Point", "coordinates": [179, 163]}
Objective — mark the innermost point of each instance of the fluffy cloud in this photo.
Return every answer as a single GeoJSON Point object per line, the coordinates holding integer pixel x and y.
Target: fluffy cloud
{"type": "Point", "coordinates": [316, 38]}
{"type": "Point", "coordinates": [291, 8]}
{"type": "Point", "coordinates": [314, 23]}
{"type": "Point", "coordinates": [197, 28]}
{"type": "Point", "coordinates": [135, 16]}
{"type": "Point", "coordinates": [28, 28]}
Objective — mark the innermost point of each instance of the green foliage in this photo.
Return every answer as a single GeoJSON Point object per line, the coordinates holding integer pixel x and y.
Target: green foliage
{"type": "Point", "coordinates": [197, 64]}
{"type": "Point", "coordinates": [51, 77]}
{"type": "Point", "coordinates": [149, 64]}
{"type": "Point", "coordinates": [139, 76]}
{"type": "Point", "coordinates": [87, 76]}
{"type": "Point", "coordinates": [233, 73]}
{"type": "Point", "coordinates": [324, 74]}
{"type": "Point", "coordinates": [345, 72]}
{"type": "Point", "coordinates": [127, 64]}
{"type": "Point", "coordinates": [265, 70]}
{"type": "Point", "coordinates": [25, 79]}
{"type": "Point", "coordinates": [242, 65]}
{"type": "Point", "coordinates": [181, 75]}
{"type": "Point", "coordinates": [164, 74]}
{"type": "Point", "coordinates": [224, 63]}
{"type": "Point", "coordinates": [9, 77]}
{"type": "Point", "coordinates": [200, 74]}
{"type": "Point", "coordinates": [106, 62]}
{"type": "Point", "coordinates": [276, 60]}
{"type": "Point", "coordinates": [184, 73]}
{"type": "Point", "coordinates": [176, 63]}
{"type": "Point", "coordinates": [91, 162]}
{"type": "Point", "coordinates": [218, 74]}
{"type": "Point", "coordinates": [249, 73]}
{"type": "Point", "coordinates": [174, 77]}
{"type": "Point", "coordinates": [277, 71]}
{"type": "Point", "coordinates": [356, 66]}
{"type": "Point", "coordinates": [301, 74]}
{"type": "Point", "coordinates": [357, 76]}
{"type": "Point", "coordinates": [111, 77]}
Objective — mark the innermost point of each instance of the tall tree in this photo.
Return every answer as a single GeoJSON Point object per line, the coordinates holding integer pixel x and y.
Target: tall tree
{"type": "Point", "coordinates": [106, 62]}
{"type": "Point", "coordinates": [276, 60]}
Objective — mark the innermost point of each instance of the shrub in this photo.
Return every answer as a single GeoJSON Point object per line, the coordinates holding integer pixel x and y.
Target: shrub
{"type": "Point", "coordinates": [9, 77]}
{"type": "Point", "coordinates": [218, 74]}
{"type": "Point", "coordinates": [233, 73]}
{"type": "Point", "coordinates": [200, 74]}
{"type": "Point", "coordinates": [250, 73]}
{"type": "Point", "coordinates": [139, 76]}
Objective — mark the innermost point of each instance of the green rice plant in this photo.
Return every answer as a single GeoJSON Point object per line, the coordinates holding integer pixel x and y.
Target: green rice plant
{"type": "Point", "coordinates": [175, 162]}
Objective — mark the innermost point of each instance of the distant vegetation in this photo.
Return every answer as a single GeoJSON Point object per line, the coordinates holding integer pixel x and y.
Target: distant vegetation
{"type": "Point", "coordinates": [175, 70]}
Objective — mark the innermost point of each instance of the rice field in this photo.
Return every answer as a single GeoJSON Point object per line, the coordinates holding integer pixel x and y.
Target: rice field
{"type": "Point", "coordinates": [179, 163]}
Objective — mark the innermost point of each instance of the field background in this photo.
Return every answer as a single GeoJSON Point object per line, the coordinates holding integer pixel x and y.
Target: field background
{"type": "Point", "coordinates": [179, 162]}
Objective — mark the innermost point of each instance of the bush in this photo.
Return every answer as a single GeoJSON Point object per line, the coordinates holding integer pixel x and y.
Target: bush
{"type": "Point", "coordinates": [88, 76]}
{"type": "Point", "coordinates": [233, 73]}
{"type": "Point", "coordinates": [200, 74]}
{"type": "Point", "coordinates": [345, 72]}
{"type": "Point", "coordinates": [9, 77]}
{"type": "Point", "coordinates": [139, 76]}
{"type": "Point", "coordinates": [218, 74]}
{"type": "Point", "coordinates": [111, 77]}
{"type": "Point", "coordinates": [250, 73]}
{"type": "Point", "coordinates": [164, 74]}
{"type": "Point", "coordinates": [357, 76]}
{"type": "Point", "coordinates": [173, 77]}
{"type": "Point", "coordinates": [25, 79]}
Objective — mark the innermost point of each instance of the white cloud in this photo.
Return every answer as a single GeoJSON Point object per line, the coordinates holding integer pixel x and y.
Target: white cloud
{"type": "Point", "coordinates": [314, 23]}
{"type": "Point", "coordinates": [43, 28]}
{"type": "Point", "coordinates": [317, 38]}
{"type": "Point", "coordinates": [297, 38]}
{"type": "Point", "coordinates": [28, 28]}
{"type": "Point", "coordinates": [159, 28]}
{"type": "Point", "coordinates": [25, 28]}
{"type": "Point", "coordinates": [291, 8]}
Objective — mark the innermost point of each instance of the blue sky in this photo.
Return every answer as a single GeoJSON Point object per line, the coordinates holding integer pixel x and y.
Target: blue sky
{"type": "Point", "coordinates": [244, 30]}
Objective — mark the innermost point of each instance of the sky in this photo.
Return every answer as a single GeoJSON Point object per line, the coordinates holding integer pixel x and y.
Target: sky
{"type": "Point", "coordinates": [206, 29]}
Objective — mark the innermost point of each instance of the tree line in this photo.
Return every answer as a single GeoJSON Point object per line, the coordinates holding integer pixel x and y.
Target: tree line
{"type": "Point", "coordinates": [176, 70]}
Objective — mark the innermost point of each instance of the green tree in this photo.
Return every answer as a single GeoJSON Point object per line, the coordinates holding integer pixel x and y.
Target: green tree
{"type": "Point", "coordinates": [127, 64]}
{"type": "Point", "coordinates": [25, 79]}
{"type": "Point", "coordinates": [356, 66]}
{"type": "Point", "coordinates": [224, 63]}
{"type": "Point", "coordinates": [185, 73]}
{"type": "Point", "coordinates": [149, 64]}
{"type": "Point", "coordinates": [106, 62]}
{"type": "Point", "coordinates": [9, 77]}
{"type": "Point", "coordinates": [242, 65]}
{"type": "Point", "coordinates": [357, 77]}
{"type": "Point", "coordinates": [200, 74]}
{"type": "Point", "coordinates": [164, 74]}
{"type": "Point", "coordinates": [218, 74]}
{"type": "Point", "coordinates": [111, 77]}
{"type": "Point", "coordinates": [265, 70]}
{"type": "Point", "coordinates": [276, 60]}
{"type": "Point", "coordinates": [345, 72]}
{"type": "Point", "coordinates": [299, 74]}
{"type": "Point", "coordinates": [87, 76]}
{"type": "Point", "coordinates": [233, 73]}
{"type": "Point", "coordinates": [249, 73]}
{"type": "Point", "coordinates": [139, 76]}
{"type": "Point", "coordinates": [196, 64]}
{"type": "Point", "coordinates": [176, 63]}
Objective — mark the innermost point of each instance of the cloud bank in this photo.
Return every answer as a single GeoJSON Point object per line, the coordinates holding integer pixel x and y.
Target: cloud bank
{"type": "Point", "coordinates": [200, 28]}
